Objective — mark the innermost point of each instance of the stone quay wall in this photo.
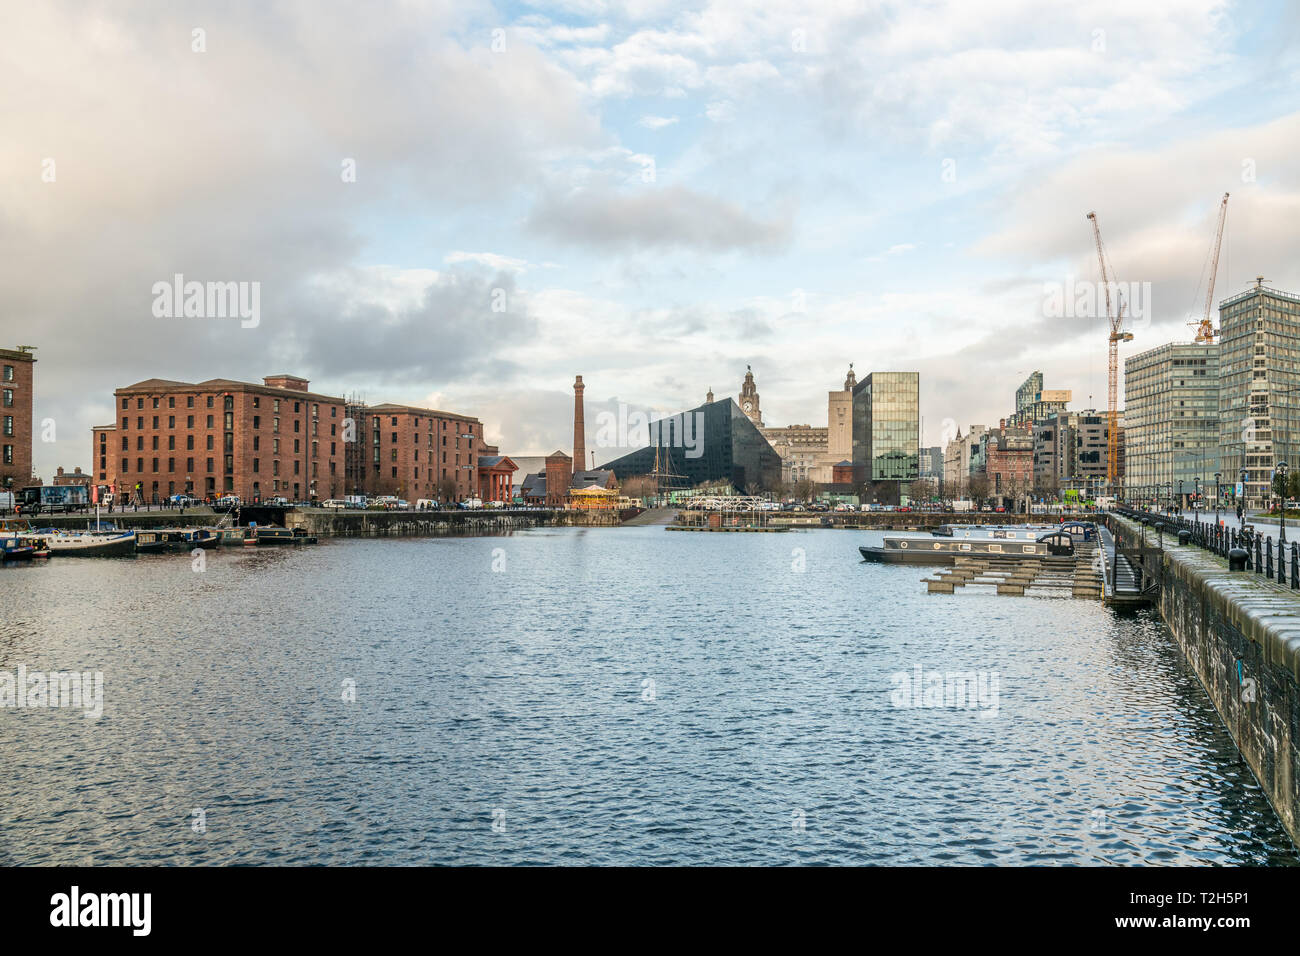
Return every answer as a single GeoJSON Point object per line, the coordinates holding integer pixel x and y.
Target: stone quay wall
{"type": "Point", "coordinates": [1241, 635]}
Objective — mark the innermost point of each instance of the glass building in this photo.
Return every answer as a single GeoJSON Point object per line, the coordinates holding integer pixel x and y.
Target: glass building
{"type": "Point", "coordinates": [1259, 386]}
{"type": "Point", "coordinates": [1171, 422]}
{"type": "Point", "coordinates": [886, 432]}
{"type": "Point", "coordinates": [714, 442]}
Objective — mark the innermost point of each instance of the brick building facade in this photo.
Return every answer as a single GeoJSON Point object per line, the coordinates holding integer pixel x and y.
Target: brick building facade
{"type": "Point", "coordinates": [410, 452]}
{"type": "Point", "coordinates": [74, 477]}
{"type": "Point", "coordinates": [104, 456]}
{"type": "Point", "coordinates": [223, 437]}
{"type": "Point", "coordinates": [15, 417]}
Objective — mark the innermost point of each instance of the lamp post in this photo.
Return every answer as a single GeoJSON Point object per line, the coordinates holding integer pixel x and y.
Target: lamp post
{"type": "Point", "coordinates": [1217, 476]}
{"type": "Point", "coordinates": [1196, 508]}
{"type": "Point", "coordinates": [1241, 503]}
{"type": "Point", "coordinates": [1180, 497]}
{"type": "Point", "coordinates": [1281, 470]}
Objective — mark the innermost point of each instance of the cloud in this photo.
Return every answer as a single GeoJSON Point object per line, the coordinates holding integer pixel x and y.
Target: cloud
{"type": "Point", "coordinates": [656, 122]}
{"type": "Point", "coordinates": [895, 250]}
{"type": "Point", "coordinates": [489, 259]}
{"type": "Point", "coordinates": [655, 218]}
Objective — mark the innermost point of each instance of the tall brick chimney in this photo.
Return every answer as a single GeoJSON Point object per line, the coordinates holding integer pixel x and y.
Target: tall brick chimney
{"type": "Point", "coordinates": [579, 428]}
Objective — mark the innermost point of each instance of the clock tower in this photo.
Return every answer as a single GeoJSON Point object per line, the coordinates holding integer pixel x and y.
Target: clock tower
{"type": "Point", "coordinates": [748, 400]}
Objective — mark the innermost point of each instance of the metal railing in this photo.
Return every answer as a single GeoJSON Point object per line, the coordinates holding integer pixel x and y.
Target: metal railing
{"type": "Point", "coordinates": [1278, 561]}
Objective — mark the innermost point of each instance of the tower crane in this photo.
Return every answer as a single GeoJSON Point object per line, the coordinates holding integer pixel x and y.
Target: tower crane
{"type": "Point", "coordinates": [1115, 320]}
{"type": "Point", "coordinates": [1205, 330]}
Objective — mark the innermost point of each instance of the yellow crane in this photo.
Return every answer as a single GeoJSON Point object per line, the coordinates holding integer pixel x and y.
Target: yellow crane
{"type": "Point", "coordinates": [1115, 320]}
{"type": "Point", "coordinates": [1205, 330]}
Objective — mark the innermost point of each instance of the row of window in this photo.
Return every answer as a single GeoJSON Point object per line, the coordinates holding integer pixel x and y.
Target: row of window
{"type": "Point", "coordinates": [228, 465]}
{"type": "Point", "coordinates": [228, 422]}
{"type": "Point", "coordinates": [228, 401]}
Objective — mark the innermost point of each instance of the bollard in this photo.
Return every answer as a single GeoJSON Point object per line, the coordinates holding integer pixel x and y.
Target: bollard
{"type": "Point", "coordinates": [1237, 559]}
{"type": "Point", "coordinates": [1184, 536]}
{"type": "Point", "coordinates": [1268, 557]}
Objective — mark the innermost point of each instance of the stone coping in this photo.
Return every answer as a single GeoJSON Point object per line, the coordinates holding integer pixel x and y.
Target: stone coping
{"type": "Point", "coordinates": [1264, 611]}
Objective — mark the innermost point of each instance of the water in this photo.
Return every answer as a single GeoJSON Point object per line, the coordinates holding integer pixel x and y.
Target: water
{"type": "Point", "coordinates": [506, 716]}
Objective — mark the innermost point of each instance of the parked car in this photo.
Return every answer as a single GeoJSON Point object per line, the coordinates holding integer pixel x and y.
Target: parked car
{"type": "Point", "coordinates": [338, 504]}
{"type": "Point", "coordinates": [229, 501]}
{"type": "Point", "coordinates": [185, 501]}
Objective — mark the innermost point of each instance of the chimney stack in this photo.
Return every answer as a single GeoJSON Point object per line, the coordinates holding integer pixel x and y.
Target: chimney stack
{"type": "Point", "coordinates": [579, 427]}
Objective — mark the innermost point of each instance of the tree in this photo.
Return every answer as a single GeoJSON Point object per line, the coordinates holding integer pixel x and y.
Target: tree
{"type": "Point", "coordinates": [446, 490]}
{"type": "Point", "coordinates": [920, 489]}
{"type": "Point", "coordinates": [978, 487]}
{"type": "Point", "coordinates": [803, 490]}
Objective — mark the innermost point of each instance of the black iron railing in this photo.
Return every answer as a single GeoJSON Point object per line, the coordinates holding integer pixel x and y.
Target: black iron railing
{"type": "Point", "coordinates": [1279, 561]}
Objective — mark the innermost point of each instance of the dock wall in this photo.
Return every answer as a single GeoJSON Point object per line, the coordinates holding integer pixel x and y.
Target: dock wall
{"type": "Point", "coordinates": [1241, 635]}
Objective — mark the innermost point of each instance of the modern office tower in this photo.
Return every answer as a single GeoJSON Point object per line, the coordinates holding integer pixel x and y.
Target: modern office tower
{"type": "Point", "coordinates": [1259, 386]}
{"type": "Point", "coordinates": [1171, 421]}
{"type": "Point", "coordinates": [886, 432]}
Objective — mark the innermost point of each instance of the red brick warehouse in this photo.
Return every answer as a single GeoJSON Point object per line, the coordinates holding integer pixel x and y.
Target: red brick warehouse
{"type": "Point", "coordinates": [223, 437]}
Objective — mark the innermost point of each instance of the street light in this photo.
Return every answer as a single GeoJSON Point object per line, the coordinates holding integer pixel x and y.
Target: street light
{"type": "Point", "coordinates": [1180, 497]}
{"type": "Point", "coordinates": [1217, 476]}
{"type": "Point", "coordinates": [1241, 502]}
{"type": "Point", "coordinates": [1196, 508]}
{"type": "Point", "coordinates": [1281, 470]}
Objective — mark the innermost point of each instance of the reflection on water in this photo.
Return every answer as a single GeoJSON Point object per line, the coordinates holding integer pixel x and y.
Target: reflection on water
{"type": "Point", "coordinates": [599, 696]}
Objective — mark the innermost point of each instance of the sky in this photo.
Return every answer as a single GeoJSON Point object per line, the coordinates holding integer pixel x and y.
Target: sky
{"type": "Point", "coordinates": [463, 205]}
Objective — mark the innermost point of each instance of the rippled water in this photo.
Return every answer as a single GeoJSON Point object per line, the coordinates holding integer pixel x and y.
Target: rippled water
{"type": "Point", "coordinates": [506, 681]}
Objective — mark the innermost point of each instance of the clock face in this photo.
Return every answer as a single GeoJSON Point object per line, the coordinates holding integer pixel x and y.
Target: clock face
{"type": "Point", "coordinates": [749, 406]}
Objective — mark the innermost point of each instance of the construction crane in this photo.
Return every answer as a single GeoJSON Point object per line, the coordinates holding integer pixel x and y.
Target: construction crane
{"type": "Point", "coordinates": [1205, 330]}
{"type": "Point", "coordinates": [1115, 319]}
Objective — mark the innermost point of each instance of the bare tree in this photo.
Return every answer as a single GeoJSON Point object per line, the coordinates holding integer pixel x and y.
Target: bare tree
{"type": "Point", "coordinates": [978, 486]}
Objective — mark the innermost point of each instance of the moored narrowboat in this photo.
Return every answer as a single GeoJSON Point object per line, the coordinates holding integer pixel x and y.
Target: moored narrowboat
{"type": "Point", "coordinates": [159, 539]}
{"type": "Point", "coordinates": [269, 535]}
{"type": "Point", "coordinates": [205, 538]}
{"type": "Point", "coordinates": [901, 549]}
